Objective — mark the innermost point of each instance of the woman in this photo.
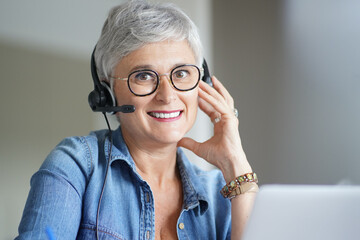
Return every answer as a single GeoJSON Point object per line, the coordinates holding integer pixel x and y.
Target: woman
{"type": "Point", "coordinates": [151, 56]}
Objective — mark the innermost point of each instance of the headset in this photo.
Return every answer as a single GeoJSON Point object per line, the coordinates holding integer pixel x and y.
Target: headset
{"type": "Point", "coordinates": [102, 99]}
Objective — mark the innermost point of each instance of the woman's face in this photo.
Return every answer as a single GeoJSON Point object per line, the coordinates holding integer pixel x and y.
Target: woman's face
{"type": "Point", "coordinates": [166, 115]}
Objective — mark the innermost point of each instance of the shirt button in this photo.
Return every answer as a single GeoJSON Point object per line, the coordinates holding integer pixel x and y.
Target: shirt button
{"type": "Point", "coordinates": [147, 234]}
{"type": "Point", "coordinates": [181, 226]}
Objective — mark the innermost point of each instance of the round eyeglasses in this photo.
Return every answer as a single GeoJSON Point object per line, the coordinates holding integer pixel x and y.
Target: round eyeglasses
{"type": "Point", "coordinates": [145, 82]}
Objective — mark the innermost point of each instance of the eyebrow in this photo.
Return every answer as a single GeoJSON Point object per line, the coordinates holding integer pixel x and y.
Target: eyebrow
{"type": "Point", "coordinates": [151, 67]}
{"type": "Point", "coordinates": [141, 67]}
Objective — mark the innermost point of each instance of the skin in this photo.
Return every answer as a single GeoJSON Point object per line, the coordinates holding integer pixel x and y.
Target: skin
{"type": "Point", "coordinates": [153, 142]}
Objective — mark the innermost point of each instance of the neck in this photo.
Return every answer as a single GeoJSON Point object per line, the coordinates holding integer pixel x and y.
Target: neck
{"type": "Point", "coordinates": [156, 163]}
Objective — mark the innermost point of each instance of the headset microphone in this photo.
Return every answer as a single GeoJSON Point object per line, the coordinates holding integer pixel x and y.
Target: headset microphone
{"type": "Point", "coordinates": [102, 99]}
{"type": "Point", "coordinates": [122, 108]}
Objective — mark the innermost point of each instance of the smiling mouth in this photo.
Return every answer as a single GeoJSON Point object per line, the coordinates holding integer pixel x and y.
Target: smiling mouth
{"type": "Point", "coordinates": [164, 115]}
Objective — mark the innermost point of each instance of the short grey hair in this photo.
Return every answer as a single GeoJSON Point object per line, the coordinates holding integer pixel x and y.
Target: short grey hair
{"type": "Point", "coordinates": [133, 24]}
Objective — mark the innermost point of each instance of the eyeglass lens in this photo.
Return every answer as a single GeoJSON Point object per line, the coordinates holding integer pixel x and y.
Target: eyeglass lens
{"type": "Point", "coordinates": [145, 82]}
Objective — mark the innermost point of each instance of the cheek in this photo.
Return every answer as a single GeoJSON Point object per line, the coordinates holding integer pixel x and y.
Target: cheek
{"type": "Point", "coordinates": [192, 103]}
{"type": "Point", "coordinates": [195, 105]}
{"type": "Point", "coordinates": [121, 93]}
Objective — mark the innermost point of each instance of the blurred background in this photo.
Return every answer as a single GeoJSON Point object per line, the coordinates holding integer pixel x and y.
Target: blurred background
{"type": "Point", "coordinates": [292, 66]}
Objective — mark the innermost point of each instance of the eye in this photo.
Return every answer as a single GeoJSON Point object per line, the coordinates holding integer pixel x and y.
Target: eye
{"type": "Point", "coordinates": [145, 76]}
{"type": "Point", "coordinates": [180, 74]}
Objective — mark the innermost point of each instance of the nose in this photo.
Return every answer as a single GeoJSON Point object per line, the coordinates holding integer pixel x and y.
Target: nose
{"type": "Point", "coordinates": [165, 92]}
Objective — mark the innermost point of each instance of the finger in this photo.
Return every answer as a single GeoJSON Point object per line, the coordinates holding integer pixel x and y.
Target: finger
{"type": "Point", "coordinates": [205, 107]}
{"type": "Point", "coordinates": [218, 91]}
{"type": "Point", "coordinates": [212, 91]}
{"type": "Point", "coordinates": [189, 144]}
{"type": "Point", "coordinates": [209, 110]}
{"type": "Point", "coordinates": [219, 105]}
{"type": "Point", "coordinates": [207, 92]}
{"type": "Point", "coordinates": [223, 91]}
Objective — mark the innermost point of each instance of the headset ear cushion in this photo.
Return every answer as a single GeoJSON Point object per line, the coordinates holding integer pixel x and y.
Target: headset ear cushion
{"type": "Point", "coordinates": [94, 99]}
{"type": "Point", "coordinates": [110, 100]}
{"type": "Point", "coordinates": [206, 77]}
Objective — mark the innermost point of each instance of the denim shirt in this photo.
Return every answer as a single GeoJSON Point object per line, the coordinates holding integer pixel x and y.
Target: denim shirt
{"type": "Point", "coordinates": [65, 193]}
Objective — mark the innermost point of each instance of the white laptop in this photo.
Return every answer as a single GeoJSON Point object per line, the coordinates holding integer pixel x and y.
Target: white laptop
{"type": "Point", "coordinates": [305, 212]}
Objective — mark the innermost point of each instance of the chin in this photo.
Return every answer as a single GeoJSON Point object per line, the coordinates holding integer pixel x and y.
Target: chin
{"type": "Point", "coordinates": [168, 137]}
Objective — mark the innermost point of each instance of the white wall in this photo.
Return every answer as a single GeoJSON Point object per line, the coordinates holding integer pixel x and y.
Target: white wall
{"type": "Point", "coordinates": [320, 91]}
{"type": "Point", "coordinates": [293, 68]}
{"type": "Point", "coordinates": [64, 27]}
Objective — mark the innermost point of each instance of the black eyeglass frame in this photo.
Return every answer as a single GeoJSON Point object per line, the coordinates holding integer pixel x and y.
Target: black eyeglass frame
{"type": "Point", "coordinates": [158, 79]}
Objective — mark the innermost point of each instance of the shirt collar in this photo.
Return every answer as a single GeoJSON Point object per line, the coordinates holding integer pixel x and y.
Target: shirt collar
{"type": "Point", "coordinates": [193, 190]}
{"type": "Point", "coordinates": [119, 149]}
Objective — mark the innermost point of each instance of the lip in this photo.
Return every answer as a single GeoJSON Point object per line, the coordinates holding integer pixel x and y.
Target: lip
{"type": "Point", "coordinates": [166, 112]}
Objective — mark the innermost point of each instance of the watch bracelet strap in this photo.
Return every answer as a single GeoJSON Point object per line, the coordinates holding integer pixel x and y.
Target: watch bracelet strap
{"type": "Point", "coordinates": [246, 187]}
{"type": "Point", "coordinates": [232, 185]}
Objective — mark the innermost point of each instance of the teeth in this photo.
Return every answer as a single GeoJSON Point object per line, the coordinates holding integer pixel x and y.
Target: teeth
{"type": "Point", "coordinates": [165, 115]}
